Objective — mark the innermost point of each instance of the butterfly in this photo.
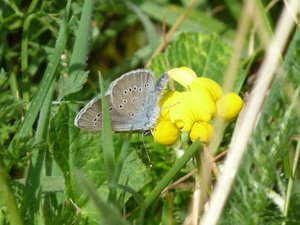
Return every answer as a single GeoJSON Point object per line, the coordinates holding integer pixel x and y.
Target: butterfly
{"type": "Point", "coordinates": [133, 101]}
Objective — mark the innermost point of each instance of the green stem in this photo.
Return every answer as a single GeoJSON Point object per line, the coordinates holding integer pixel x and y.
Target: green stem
{"type": "Point", "coordinates": [297, 154]}
{"type": "Point", "coordinates": [108, 148]}
{"type": "Point", "coordinates": [123, 154]}
{"type": "Point", "coordinates": [14, 85]}
{"type": "Point", "coordinates": [14, 216]}
{"type": "Point", "coordinates": [169, 176]}
{"type": "Point", "coordinates": [24, 56]}
{"type": "Point", "coordinates": [291, 181]}
{"type": "Point", "coordinates": [32, 6]}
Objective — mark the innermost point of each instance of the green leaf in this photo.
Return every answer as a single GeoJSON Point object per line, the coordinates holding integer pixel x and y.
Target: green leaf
{"type": "Point", "coordinates": [208, 55]}
{"type": "Point", "coordinates": [134, 174]}
{"type": "Point", "coordinates": [196, 21]}
{"type": "Point", "coordinates": [76, 75]}
{"type": "Point", "coordinates": [72, 83]}
{"type": "Point", "coordinates": [75, 149]}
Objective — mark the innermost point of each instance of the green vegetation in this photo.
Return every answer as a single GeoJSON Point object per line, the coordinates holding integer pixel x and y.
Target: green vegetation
{"type": "Point", "coordinates": [51, 55]}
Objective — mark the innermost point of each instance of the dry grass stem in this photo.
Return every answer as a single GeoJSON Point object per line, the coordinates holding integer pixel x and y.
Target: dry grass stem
{"type": "Point", "coordinates": [171, 31]}
{"type": "Point", "coordinates": [250, 113]}
{"type": "Point", "coordinates": [177, 182]}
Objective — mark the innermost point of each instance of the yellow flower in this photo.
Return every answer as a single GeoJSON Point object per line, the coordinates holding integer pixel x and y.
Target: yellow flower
{"type": "Point", "coordinates": [183, 75]}
{"type": "Point", "coordinates": [184, 108]}
{"type": "Point", "coordinates": [202, 130]}
{"type": "Point", "coordinates": [203, 82]}
{"type": "Point", "coordinates": [166, 133]}
{"type": "Point", "coordinates": [229, 106]}
{"type": "Point", "coordinates": [191, 110]}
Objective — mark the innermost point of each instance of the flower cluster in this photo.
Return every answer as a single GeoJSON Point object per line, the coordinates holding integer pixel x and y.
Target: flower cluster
{"type": "Point", "coordinates": [193, 109]}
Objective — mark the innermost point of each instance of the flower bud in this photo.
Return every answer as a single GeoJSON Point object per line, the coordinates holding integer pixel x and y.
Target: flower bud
{"type": "Point", "coordinates": [229, 106]}
{"type": "Point", "coordinates": [166, 133]}
{"type": "Point", "coordinates": [202, 130]}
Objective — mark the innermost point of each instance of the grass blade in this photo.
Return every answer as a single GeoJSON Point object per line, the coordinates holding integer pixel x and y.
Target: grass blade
{"type": "Point", "coordinates": [108, 148]}
{"type": "Point", "coordinates": [77, 77]}
{"type": "Point", "coordinates": [46, 82]}
{"type": "Point", "coordinates": [6, 191]}
{"type": "Point", "coordinates": [108, 212]}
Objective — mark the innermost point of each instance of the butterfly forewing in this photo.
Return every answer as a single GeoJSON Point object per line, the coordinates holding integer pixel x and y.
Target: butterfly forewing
{"type": "Point", "coordinates": [130, 89]}
{"type": "Point", "coordinates": [132, 98]}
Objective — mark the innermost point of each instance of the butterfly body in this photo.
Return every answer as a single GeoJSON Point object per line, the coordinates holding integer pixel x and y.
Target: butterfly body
{"type": "Point", "coordinates": [133, 101]}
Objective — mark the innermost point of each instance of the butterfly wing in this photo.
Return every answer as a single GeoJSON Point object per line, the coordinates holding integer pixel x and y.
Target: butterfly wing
{"type": "Point", "coordinates": [133, 103]}
{"type": "Point", "coordinates": [130, 95]}
{"type": "Point", "coordinates": [90, 117]}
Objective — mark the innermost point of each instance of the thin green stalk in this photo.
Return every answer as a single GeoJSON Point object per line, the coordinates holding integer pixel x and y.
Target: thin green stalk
{"type": "Point", "coordinates": [168, 209]}
{"type": "Point", "coordinates": [291, 181]}
{"type": "Point", "coordinates": [24, 55]}
{"type": "Point", "coordinates": [108, 148]}
{"type": "Point", "coordinates": [13, 6]}
{"type": "Point", "coordinates": [24, 43]}
{"type": "Point", "coordinates": [14, 85]}
{"type": "Point", "coordinates": [6, 191]}
{"type": "Point", "coordinates": [32, 6]}
{"type": "Point", "coordinates": [123, 155]}
{"type": "Point", "coordinates": [169, 177]}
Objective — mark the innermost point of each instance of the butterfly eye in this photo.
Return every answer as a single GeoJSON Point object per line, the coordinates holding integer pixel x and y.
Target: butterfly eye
{"type": "Point", "coordinates": [132, 114]}
{"type": "Point", "coordinates": [95, 124]}
{"type": "Point", "coordinates": [95, 120]}
{"type": "Point", "coordinates": [110, 109]}
{"type": "Point", "coordinates": [130, 89]}
{"type": "Point", "coordinates": [98, 115]}
{"type": "Point", "coordinates": [140, 89]}
{"type": "Point", "coordinates": [121, 106]}
{"type": "Point", "coordinates": [146, 85]}
{"type": "Point", "coordinates": [125, 101]}
{"type": "Point", "coordinates": [135, 88]}
{"type": "Point", "coordinates": [125, 92]}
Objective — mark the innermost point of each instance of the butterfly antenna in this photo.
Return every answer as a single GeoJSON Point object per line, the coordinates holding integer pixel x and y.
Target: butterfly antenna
{"type": "Point", "coordinates": [146, 148]}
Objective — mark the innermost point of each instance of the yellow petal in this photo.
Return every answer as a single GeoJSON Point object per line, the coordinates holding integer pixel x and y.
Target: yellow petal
{"type": "Point", "coordinates": [202, 99]}
{"type": "Point", "coordinates": [166, 103]}
{"type": "Point", "coordinates": [188, 107]}
{"type": "Point", "coordinates": [179, 113]}
{"type": "Point", "coordinates": [183, 75]}
{"type": "Point", "coordinates": [202, 130]}
{"type": "Point", "coordinates": [229, 106]}
{"type": "Point", "coordinates": [203, 82]}
{"type": "Point", "coordinates": [166, 133]}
